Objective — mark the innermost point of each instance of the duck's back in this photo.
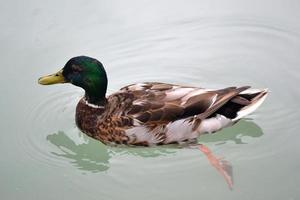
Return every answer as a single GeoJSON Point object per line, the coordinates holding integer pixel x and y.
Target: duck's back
{"type": "Point", "coordinates": [159, 113]}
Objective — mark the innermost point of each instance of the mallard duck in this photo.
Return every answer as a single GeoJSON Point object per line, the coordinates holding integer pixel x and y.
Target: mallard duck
{"type": "Point", "coordinates": [151, 113]}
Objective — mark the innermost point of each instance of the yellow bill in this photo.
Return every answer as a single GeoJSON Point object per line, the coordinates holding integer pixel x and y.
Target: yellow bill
{"type": "Point", "coordinates": [52, 79]}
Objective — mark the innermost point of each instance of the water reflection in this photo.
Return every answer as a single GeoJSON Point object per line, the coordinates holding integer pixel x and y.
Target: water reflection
{"type": "Point", "coordinates": [93, 156]}
{"type": "Point", "coordinates": [235, 133]}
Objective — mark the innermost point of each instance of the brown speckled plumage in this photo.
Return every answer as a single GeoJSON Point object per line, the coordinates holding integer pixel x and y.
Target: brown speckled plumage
{"type": "Point", "coordinates": [154, 106]}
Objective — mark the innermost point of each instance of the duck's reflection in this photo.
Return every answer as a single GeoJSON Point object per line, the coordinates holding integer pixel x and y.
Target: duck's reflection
{"type": "Point", "coordinates": [93, 156]}
{"type": "Point", "coordinates": [236, 133]}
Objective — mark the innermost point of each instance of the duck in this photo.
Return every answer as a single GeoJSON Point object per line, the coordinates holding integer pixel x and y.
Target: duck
{"type": "Point", "coordinates": [151, 113]}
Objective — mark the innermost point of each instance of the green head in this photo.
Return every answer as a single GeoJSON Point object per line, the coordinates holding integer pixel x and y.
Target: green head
{"type": "Point", "coordinates": [85, 72]}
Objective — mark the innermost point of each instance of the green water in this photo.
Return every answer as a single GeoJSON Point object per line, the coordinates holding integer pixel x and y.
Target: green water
{"type": "Point", "coordinates": [204, 43]}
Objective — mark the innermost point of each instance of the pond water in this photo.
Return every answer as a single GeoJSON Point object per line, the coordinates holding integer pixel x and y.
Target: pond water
{"type": "Point", "coordinates": [204, 43]}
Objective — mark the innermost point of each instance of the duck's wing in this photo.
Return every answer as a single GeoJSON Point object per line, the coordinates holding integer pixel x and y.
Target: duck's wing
{"type": "Point", "coordinates": [156, 103]}
{"type": "Point", "coordinates": [152, 113]}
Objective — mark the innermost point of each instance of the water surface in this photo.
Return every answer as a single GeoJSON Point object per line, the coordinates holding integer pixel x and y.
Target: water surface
{"type": "Point", "coordinates": [203, 43]}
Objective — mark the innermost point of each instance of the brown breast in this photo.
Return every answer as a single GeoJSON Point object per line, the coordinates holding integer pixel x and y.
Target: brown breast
{"type": "Point", "coordinates": [87, 117]}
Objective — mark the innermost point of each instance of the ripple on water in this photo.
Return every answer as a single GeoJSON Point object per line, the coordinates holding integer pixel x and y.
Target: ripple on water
{"type": "Point", "coordinates": [205, 52]}
{"type": "Point", "coordinates": [54, 111]}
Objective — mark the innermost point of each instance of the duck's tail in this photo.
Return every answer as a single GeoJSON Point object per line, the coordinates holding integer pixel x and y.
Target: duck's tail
{"type": "Point", "coordinates": [231, 112]}
{"type": "Point", "coordinates": [255, 98]}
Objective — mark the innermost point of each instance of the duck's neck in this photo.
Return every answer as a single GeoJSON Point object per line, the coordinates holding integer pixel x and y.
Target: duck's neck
{"type": "Point", "coordinates": [95, 92]}
{"type": "Point", "coordinates": [98, 104]}
{"type": "Point", "coordinates": [95, 100]}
